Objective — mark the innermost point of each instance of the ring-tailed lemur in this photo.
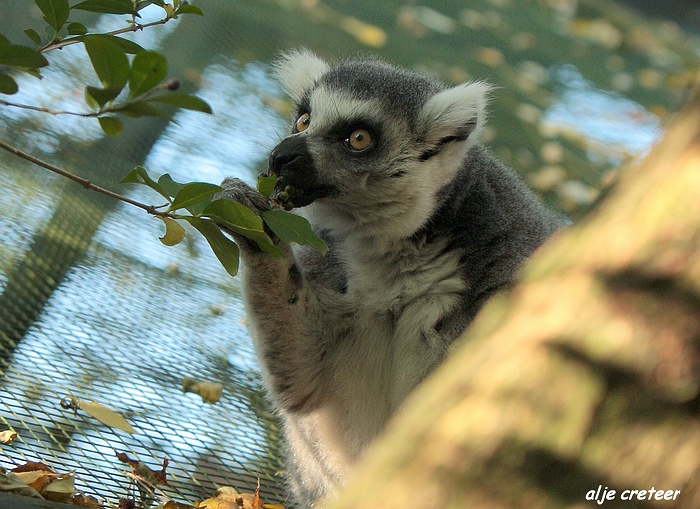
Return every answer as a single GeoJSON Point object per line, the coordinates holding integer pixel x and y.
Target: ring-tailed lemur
{"type": "Point", "coordinates": [423, 226]}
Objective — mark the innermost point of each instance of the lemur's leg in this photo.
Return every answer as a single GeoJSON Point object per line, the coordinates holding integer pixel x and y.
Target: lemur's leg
{"type": "Point", "coordinates": [284, 314]}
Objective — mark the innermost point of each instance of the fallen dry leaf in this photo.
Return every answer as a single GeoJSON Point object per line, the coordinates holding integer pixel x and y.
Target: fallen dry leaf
{"type": "Point", "coordinates": [11, 483]}
{"type": "Point", "coordinates": [209, 391]}
{"type": "Point", "coordinates": [88, 501]}
{"type": "Point", "coordinates": [106, 416]}
{"type": "Point", "coordinates": [59, 489]}
{"type": "Point", "coordinates": [7, 436]}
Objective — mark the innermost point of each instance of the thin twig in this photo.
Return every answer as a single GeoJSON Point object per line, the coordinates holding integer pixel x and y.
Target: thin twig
{"type": "Point", "coordinates": [83, 182]}
{"type": "Point", "coordinates": [132, 28]}
{"type": "Point", "coordinates": [46, 110]}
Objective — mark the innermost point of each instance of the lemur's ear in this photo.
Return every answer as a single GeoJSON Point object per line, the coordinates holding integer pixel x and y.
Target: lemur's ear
{"type": "Point", "coordinates": [455, 114]}
{"type": "Point", "coordinates": [298, 71]}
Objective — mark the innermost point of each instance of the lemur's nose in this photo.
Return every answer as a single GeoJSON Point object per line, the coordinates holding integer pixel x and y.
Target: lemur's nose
{"type": "Point", "coordinates": [292, 152]}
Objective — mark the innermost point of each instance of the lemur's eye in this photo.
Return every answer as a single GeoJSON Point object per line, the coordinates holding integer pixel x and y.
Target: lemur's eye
{"type": "Point", "coordinates": [359, 140]}
{"type": "Point", "coordinates": [302, 123]}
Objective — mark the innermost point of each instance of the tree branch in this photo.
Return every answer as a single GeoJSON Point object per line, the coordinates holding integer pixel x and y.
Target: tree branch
{"type": "Point", "coordinates": [83, 182]}
{"type": "Point", "coordinates": [58, 44]}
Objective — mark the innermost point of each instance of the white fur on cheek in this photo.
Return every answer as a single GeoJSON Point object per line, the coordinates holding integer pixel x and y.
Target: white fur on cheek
{"type": "Point", "coordinates": [298, 71]}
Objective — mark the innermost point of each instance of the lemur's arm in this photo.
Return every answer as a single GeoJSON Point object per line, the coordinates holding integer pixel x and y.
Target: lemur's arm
{"type": "Point", "coordinates": [285, 314]}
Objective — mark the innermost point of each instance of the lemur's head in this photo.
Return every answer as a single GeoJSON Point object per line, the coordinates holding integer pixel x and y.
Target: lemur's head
{"type": "Point", "coordinates": [371, 145]}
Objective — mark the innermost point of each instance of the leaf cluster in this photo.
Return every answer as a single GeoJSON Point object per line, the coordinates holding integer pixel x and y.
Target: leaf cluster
{"type": "Point", "coordinates": [208, 215]}
{"type": "Point", "coordinates": [144, 74]}
{"type": "Point", "coordinates": [134, 84]}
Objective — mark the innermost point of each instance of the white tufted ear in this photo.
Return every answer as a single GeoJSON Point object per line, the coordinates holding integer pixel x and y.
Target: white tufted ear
{"type": "Point", "coordinates": [455, 114]}
{"type": "Point", "coordinates": [298, 70]}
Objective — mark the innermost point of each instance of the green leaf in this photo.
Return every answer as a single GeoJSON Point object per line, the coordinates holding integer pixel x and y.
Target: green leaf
{"type": "Point", "coordinates": [147, 70]}
{"type": "Point", "coordinates": [143, 4]}
{"type": "Point", "coordinates": [185, 101]}
{"type": "Point", "coordinates": [292, 228]}
{"type": "Point", "coordinates": [174, 233]}
{"type": "Point", "coordinates": [106, 6]}
{"type": "Point", "coordinates": [8, 86]}
{"type": "Point", "coordinates": [77, 29]}
{"type": "Point", "coordinates": [111, 126]}
{"type": "Point", "coordinates": [266, 185]}
{"type": "Point", "coordinates": [98, 97]}
{"type": "Point", "coordinates": [224, 249]}
{"type": "Point", "coordinates": [140, 109]}
{"type": "Point", "coordinates": [14, 55]}
{"type": "Point", "coordinates": [126, 45]}
{"type": "Point", "coordinates": [169, 185]}
{"type": "Point", "coordinates": [192, 194]}
{"type": "Point", "coordinates": [139, 175]}
{"type": "Point", "coordinates": [4, 41]}
{"type": "Point", "coordinates": [109, 60]}
{"type": "Point", "coordinates": [241, 220]}
{"type": "Point", "coordinates": [188, 9]}
{"type": "Point", "coordinates": [55, 12]}
{"type": "Point", "coordinates": [33, 35]}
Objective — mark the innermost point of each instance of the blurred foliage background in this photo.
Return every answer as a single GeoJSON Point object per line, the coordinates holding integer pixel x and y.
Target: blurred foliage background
{"type": "Point", "coordinates": [92, 304]}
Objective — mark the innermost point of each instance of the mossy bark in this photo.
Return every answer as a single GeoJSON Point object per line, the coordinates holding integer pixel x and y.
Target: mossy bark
{"type": "Point", "coordinates": [585, 374]}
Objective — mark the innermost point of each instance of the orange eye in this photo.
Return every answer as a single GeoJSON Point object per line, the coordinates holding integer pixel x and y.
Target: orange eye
{"type": "Point", "coordinates": [302, 123]}
{"type": "Point", "coordinates": [359, 140]}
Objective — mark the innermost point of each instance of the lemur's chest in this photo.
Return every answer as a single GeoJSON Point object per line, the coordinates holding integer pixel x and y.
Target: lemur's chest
{"type": "Point", "coordinates": [390, 280]}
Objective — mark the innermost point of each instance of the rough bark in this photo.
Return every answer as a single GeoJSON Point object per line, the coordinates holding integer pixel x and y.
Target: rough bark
{"type": "Point", "coordinates": [585, 374]}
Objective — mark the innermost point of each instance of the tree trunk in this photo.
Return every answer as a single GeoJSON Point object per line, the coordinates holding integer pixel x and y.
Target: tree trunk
{"type": "Point", "coordinates": [584, 375]}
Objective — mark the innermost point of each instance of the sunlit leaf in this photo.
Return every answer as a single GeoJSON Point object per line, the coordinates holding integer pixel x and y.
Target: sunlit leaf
{"type": "Point", "coordinates": [55, 12]}
{"type": "Point", "coordinates": [139, 175]}
{"type": "Point", "coordinates": [241, 220]}
{"type": "Point", "coordinates": [106, 416]}
{"type": "Point", "coordinates": [108, 60]}
{"type": "Point", "coordinates": [292, 228]}
{"type": "Point", "coordinates": [225, 250]}
{"type": "Point", "coordinates": [266, 185]}
{"type": "Point", "coordinates": [33, 35]}
{"type": "Point", "coordinates": [169, 185]}
{"type": "Point", "coordinates": [174, 233]}
{"type": "Point", "coordinates": [106, 6]}
{"type": "Point", "coordinates": [188, 9]}
{"type": "Point", "coordinates": [76, 29]}
{"type": "Point", "coordinates": [7, 85]}
{"type": "Point", "coordinates": [185, 101]}
{"type": "Point", "coordinates": [14, 55]}
{"type": "Point", "coordinates": [147, 70]}
{"type": "Point", "coordinates": [112, 126]}
{"type": "Point", "coordinates": [192, 194]}
{"type": "Point", "coordinates": [7, 436]}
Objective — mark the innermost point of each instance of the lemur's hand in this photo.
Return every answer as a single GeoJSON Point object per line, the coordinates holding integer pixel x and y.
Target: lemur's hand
{"type": "Point", "coordinates": [238, 191]}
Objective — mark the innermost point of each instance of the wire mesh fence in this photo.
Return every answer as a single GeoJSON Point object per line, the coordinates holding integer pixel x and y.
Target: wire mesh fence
{"type": "Point", "coordinates": [124, 334]}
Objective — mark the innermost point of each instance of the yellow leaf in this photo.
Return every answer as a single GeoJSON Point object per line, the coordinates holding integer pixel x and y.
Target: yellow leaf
{"type": "Point", "coordinates": [7, 437]}
{"type": "Point", "coordinates": [106, 416]}
{"type": "Point", "coordinates": [367, 34]}
{"type": "Point", "coordinates": [209, 391]}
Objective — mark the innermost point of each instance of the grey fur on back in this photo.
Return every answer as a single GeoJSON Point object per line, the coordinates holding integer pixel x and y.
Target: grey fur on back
{"type": "Point", "coordinates": [423, 224]}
